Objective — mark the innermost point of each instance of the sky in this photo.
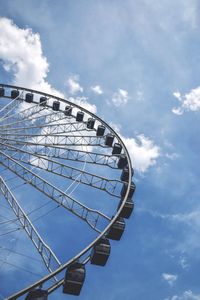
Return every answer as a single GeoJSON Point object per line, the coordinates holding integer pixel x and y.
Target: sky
{"type": "Point", "coordinates": [135, 63]}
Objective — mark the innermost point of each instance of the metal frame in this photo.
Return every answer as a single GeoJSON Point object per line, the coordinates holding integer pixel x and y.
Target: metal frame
{"type": "Point", "coordinates": [48, 256]}
{"type": "Point", "coordinates": [68, 148]}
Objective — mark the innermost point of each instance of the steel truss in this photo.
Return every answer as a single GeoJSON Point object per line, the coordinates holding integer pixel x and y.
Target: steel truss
{"type": "Point", "coordinates": [69, 154]}
{"type": "Point", "coordinates": [90, 216]}
{"type": "Point", "coordinates": [47, 255]}
{"type": "Point", "coordinates": [34, 138]}
{"type": "Point", "coordinates": [111, 186]}
{"type": "Point", "coordinates": [6, 110]}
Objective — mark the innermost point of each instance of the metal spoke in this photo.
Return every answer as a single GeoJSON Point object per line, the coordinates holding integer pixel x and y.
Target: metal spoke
{"type": "Point", "coordinates": [48, 256]}
{"type": "Point", "coordinates": [23, 116]}
{"type": "Point", "coordinates": [61, 127]}
{"type": "Point", "coordinates": [6, 110]}
{"type": "Point", "coordinates": [46, 142]}
{"type": "Point", "coordinates": [73, 140]}
{"type": "Point", "coordinates": [111, 186]}
{"type": "Point", "coordinates": [56, 151]}
{"type": "Point", "coordinates": [92, 217]}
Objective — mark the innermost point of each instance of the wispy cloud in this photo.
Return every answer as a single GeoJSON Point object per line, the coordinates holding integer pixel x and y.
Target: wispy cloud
{"type": "Point", "coordinates": [74, 85]}
{"type": "Point", "coordinates": [190, 218]}
{"type": "Point", "coordinates": [120, 98]}
{"type": "Point", "coordinates": [140, 95]}
{"type": "Point", "coordinates": [82, 101]}
{"type": "Point", "coordinates": [97, 89]}
{"type": "Point", "coordinates": [169, 278]}
{"type": "Point", "coordinates": [188, 102]}
{"type": "Point", "coordinates": [183, 262]}
{"type": "Point", "coordinates": [187, 295]}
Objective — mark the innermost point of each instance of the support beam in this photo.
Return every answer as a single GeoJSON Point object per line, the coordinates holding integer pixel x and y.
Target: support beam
{"type": "Point", "coordinates": [90, 216]}
{"type": "Point", "coordinates": [47, 255]}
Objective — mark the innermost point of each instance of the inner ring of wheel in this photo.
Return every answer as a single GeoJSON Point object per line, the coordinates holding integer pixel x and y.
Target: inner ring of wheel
{"type": "Point", "coordinates": [113, 220]}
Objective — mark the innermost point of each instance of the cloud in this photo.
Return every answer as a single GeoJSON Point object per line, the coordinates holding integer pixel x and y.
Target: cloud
{"type": "Point", "coordinates": [143, 152]}
{"type": "Point", "coordinates": [97, 89]}
{"type": "Point", "coordinates": [73, 85]}
{"type": "Point", "coordinates": [120, 98]}
{"type": "Point", "coordinates": [187, 295]}
{"type": "Point", "coordinates": [140, 95]}
{"type": "Point", "coordinates": [21, 54]}
{"type": "Point", "coordinates": [190, 218]}
{"type": "Point", "coordinates": [170, 278]}
{"type": "Point", "coordinates": [190, 15]}
{"type": "Point", "coordinates": [188, 102]}
{"type": "Point", "coordinates": [188, 224]}
{"type": "Point", "coordinates": [82, 101]}
{"type": "Point", "coordinates": [183, 262]}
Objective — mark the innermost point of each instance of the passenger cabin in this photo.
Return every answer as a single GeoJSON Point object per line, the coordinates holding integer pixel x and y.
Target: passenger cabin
{"type": "Point", "coordinates": [100, 130]}
{"type": "Point", "coordinates": [122, 162]}
{"type": "Point", "coordinates": [117, 148]}
{"type": "Point", "coordinates": [116, 230]}
{"type": "Point", "coordinates": [74, 279]}
{"type": "Point", "coordinates": [37, 294]}
{"type": "Point", "coordinates": [29, 97]}
{"type": "Point", "coordinates": [131, 191]}
{"type": "Point", "coordinates": [79, 116]}
{"type": "Point", "coordinates": [2, 92]}
{"type": "Point", "coordinates": [90, 123]}
{"type": "Point", "coordinates": [127, 209]}
{"type": "Point", "coordinates": [43, 101]}
{"type": "Point", "coordinates": [68, 110]}
{"type": "Point", "coordinates": [109, 139]}
{"type": "Point", "coordinates": [100, 252]}
{"type": "Point", "coordinates": [14, 94]}
{"type": "Point", "coordinates": [125, 174]}
{"type": "Point", "coordinates": [56, 105]}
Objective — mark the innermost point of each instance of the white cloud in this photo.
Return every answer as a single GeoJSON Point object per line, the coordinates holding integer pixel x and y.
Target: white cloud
{"type": "Point", "coordinates": [170, 278]}
{"type": "Point", "coordinates": [21, 54]}
{"type": "Point", "coordinates": [187, 295]}
{"type": "Point", "coordinates": [73, 84]}
{"type": "Point", "coordinates": [82, 101]}
{"type": "Point", "coordinates": [120, 98]}
{"type": "Point", "coordinates": [172, 156]}
{"type": "Point", "coordinates": [97, 89]}
{"type": "Point", "coordinates": [188, 102]}
{"type": "Point", "coordinates": [143, 152]}
{"type": "Point", "coordinates": [177, 95]}
{"type": "Point", "coordinates": [177, 111]}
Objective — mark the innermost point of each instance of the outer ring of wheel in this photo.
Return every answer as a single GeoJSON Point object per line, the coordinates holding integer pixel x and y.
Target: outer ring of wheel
{"type": "Point", "coordinates": [115, 217]}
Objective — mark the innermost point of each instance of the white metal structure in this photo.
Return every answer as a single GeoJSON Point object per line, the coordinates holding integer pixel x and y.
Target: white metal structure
{"type": "Point", "coordinates": [63, 155]}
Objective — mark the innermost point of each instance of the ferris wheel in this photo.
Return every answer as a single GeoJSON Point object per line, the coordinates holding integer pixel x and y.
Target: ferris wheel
{"type": "Point", "coordinates": [66, 190]}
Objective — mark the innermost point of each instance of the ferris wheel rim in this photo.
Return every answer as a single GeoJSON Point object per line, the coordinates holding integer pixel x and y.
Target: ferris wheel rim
{"type": "Point", "coordinates": [114, 218]}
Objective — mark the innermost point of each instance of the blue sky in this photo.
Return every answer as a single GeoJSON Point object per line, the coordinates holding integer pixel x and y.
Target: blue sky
{"type": "Point", "coordinates": [137, 64]}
